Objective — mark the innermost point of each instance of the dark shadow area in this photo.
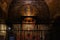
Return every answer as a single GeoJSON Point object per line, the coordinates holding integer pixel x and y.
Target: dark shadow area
{"type": "Point", "coordinates": [56, 28]}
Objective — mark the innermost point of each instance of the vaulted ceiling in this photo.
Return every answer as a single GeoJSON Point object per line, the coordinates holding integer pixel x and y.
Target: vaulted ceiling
{"type": "Point", "coordinates": [52, 4]}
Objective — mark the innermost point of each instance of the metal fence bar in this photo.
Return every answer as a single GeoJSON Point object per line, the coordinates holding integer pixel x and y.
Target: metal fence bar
{"type": "Point", "coordinates": [41, 33]}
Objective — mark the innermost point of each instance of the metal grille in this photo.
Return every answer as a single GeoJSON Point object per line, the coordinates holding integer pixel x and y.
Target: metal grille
{"type": "Point", "coordinates": [17, 33]}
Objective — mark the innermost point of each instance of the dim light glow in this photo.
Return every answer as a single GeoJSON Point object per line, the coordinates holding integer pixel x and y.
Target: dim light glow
{"type": "Point", "coordinates": [29, 20]}
{"type": "Point", "coordinates": [28, 26]}
{"type": "Point", "coordinates": [3, 28]}
{"type": "Point", "coordinates": [28, 10]}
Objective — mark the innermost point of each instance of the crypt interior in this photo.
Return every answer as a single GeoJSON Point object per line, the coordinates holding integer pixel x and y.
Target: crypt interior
{"type": "Point", "coordinates": [29, 20]}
